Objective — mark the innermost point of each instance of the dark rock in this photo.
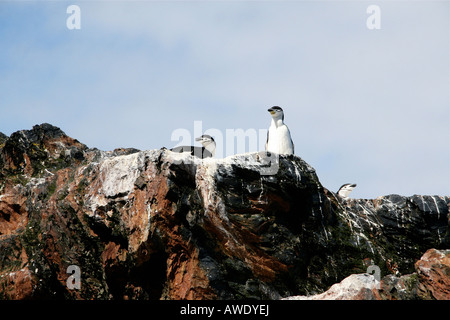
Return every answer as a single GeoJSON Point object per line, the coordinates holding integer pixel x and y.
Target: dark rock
{"type": "Point", "coordinates": [124, 151]}
{"type": "Point", "coordinates": [30, 152]}
{"type": "Point", "coordinates": [3, 138]}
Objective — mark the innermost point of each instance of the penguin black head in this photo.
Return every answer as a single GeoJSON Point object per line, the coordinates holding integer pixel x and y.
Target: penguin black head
{"type": "Point", "coordinates": [205, 139]}
{"type": "Point", "coordinates": [276, 112]}
{"type": "Point", "coordinates": [345, 190]}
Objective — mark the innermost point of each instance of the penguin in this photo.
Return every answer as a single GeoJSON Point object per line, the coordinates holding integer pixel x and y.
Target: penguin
{"type": "Point", "coordinates": [207, 151]}
{"type": "Point", "coordinates": [279, 137]}
{"type": "Point", "coordinates": [345, 190]}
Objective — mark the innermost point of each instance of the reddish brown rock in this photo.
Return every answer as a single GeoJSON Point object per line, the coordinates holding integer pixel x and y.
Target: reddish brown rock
{"type": "Point", "coordinates": [13, 213]}
{"type": "Point", "coordinates": [18, 284]}
{"type": "Point", "coordinates": [433, 270]}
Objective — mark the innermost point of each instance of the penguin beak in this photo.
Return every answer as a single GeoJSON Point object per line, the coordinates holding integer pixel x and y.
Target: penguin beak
{"type": "Point", "coordinates": [199, 139]}
{"type": "Point", "coordinates": [271, 111]}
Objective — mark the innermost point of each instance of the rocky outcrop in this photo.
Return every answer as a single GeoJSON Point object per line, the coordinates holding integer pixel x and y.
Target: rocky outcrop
{"type": "Point", "coordinates": [160, 225]}
{"type": "Point", "coordinates": [3, 138]}
{"type": "Point", "coordinates": [433, 273]}
{"type": "Point", "coordinates": [360, 286]}
{"type": "Point", "coordinates": [431, 281]}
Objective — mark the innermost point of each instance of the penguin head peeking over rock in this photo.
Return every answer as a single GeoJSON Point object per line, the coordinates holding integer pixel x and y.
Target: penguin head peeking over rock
{"type": "Point", "coordinates": [345, 190]}
{"type": "Point", "coordinates": [207, 151]}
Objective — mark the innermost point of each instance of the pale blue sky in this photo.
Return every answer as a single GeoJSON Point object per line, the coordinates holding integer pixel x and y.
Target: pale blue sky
{"type": "Point", "coordinates": [370, 107]}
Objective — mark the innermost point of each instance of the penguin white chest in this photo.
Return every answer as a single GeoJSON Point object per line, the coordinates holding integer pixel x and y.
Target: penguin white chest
{"type": "Point", "coordinates": [280, 140]}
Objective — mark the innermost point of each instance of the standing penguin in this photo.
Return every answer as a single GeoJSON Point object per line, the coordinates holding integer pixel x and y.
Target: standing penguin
{"type": "Point", "coordinates": [278, 137]}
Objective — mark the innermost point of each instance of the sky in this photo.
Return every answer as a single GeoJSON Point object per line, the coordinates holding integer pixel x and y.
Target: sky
{"type": "Point", "coordinates": [364, 105]}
